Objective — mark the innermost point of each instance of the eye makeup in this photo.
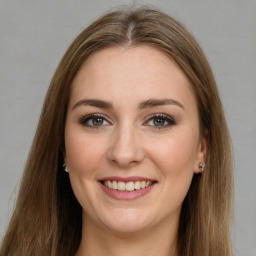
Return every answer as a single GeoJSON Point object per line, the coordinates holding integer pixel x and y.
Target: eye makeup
{"type": "Point", "coordinates": [160, 121]}
{"type": "Point", "coordinates": [94, 121]}
{"type": "Point", "coordinates": [156, 121]}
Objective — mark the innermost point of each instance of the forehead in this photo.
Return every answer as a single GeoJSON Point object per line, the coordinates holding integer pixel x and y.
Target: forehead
{"type": "Point", "coordinates": [139, 72]}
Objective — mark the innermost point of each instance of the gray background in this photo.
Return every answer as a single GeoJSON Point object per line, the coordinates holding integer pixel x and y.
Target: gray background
{"type": "Point", "coordinates": [35, 34]}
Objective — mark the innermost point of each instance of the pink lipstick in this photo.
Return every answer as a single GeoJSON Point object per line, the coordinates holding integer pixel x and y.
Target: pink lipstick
{"type": "Point", "coordinates": [126, 188]}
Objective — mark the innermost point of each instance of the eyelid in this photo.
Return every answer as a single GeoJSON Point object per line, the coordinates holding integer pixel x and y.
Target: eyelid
{"type": "Point", "coordinates": [85, 118]}
{"type": "Point", "coordinates": [168, 118]}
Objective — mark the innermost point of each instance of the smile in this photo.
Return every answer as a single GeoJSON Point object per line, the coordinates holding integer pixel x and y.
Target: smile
{"type": "Point", "coordinates": [126, 186]}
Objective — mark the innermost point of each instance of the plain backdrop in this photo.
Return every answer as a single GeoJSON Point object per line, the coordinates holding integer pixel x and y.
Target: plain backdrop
{"type": "Point", "coordinates": [35, 34]}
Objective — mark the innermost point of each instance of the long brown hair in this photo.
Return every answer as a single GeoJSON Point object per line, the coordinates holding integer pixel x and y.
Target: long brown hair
{"type": "Point", "coordinates": [47, 219]}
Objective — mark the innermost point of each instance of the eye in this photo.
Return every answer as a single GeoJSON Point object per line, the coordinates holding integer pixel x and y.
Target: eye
{"type": "Point", "coordinates": [160, 121]}
{"type": "Point", "coordinates": [94, 121]}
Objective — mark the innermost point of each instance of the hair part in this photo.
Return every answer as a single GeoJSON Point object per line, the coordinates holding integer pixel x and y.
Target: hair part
{"type": "Point", "coordinates": [47, 219]}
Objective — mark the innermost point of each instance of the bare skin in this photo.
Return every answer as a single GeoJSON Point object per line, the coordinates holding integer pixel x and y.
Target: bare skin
{"type": "Point", "coordinates": [132, 116]}
{"type": "Point", "coordinates": [158, 241]}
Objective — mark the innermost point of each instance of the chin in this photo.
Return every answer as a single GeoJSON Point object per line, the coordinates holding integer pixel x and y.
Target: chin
{"type": "Point", "coordinates": [126, 221]}
{"type": "Point", "coordinates": [126, 228]}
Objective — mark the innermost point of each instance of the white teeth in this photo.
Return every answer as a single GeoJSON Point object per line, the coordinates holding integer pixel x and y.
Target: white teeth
{"type": "Point", "coordinates": [127, 186]}
{"type": "Point", "coordinates": [120, 185]}
{"type": "Point", "coordinates": [137, 184]}
{"type": "Point", "coordinates": [109, 184]}
{"type": "Point", "coordinates": [114, 184]}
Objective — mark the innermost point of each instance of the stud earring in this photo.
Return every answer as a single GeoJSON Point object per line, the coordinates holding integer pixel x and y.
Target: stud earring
{"type": "Point", "coordinates": [201, 167]}
{"type": "Point", "coordinates": [65, 167]}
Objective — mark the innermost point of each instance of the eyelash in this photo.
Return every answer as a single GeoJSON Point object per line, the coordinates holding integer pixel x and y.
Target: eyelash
{"type": "Point", "coordinates": [84, 120]}
{"type": "Point", "coordinates": [166, 118]}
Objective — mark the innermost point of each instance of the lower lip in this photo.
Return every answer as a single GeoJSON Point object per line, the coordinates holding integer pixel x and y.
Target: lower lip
{"type": "Point", "coordinates": [125, 195]}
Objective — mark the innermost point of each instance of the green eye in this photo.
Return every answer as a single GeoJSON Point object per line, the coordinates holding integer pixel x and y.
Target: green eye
{"type": "Point", "coordinates": [97, 121]}
{"type": "Point", "coordinates": [160, 121]}
{"type": "Point", "coordinates": [94, 121]}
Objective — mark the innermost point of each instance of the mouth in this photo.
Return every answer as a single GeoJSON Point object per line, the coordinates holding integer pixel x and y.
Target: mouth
{"type": "Point", "coordinates": [127, 186]}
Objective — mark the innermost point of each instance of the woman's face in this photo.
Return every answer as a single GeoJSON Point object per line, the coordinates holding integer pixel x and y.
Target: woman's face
{"type": "Point", "coordinates": [132, 138]}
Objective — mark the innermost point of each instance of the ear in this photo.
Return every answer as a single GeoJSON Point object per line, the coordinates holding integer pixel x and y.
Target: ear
{"type": "Point", "coordinates": [202, 150]}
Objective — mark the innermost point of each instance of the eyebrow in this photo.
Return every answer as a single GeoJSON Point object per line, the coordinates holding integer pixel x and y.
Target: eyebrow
{"type": "Point", "coordinates": [145, 104]}
{"type": "Point", "coordinates": [95, 103]}
{"type": "Point", "coordinates": [159, 102]}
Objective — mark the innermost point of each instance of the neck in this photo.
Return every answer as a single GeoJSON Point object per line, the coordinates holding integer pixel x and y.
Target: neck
{"type": "Point", "coordinates": [160, 240]}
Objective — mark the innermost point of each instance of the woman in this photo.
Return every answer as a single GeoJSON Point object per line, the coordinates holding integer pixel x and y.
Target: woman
{"type": "Point", "coordinates": [132, 151]}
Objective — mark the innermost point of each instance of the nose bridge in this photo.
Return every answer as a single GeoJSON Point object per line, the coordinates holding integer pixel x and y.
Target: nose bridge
{"type": "Point", "coordinates": [125, 147]}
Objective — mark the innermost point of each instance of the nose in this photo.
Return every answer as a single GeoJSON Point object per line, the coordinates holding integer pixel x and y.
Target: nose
{"type": "Point", "coordinates": [125, 150]}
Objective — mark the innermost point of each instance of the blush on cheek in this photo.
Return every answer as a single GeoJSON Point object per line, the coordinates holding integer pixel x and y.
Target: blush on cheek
{"type": "Point", "coordinates": [83, 156]}
{"type": "Point", "coordinates": [169, 151]}
{"type": "Point", "coordinates": [82, 166]}
{"type": "Point", "coordinates": [183, 148]}
{"type": "Point", "coordinates": [176, 158]}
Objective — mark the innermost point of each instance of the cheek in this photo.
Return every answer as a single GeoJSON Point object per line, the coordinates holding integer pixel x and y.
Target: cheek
{"type": "Point", "coordinates": [83, 157]}
{"type": "Point", "coordinates": [83, 153]}
{"type": "Point", "coordinates": [176, 153]}
{"type": "Point", "coordinates": [174, 157]}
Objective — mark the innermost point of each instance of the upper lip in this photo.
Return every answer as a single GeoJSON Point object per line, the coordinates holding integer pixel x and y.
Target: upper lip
{"type": "Point", "coordinates": [126, 179]}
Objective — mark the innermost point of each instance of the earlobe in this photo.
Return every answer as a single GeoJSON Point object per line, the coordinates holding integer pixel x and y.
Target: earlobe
{"type": "Point", "coordinates": [202, 151]}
